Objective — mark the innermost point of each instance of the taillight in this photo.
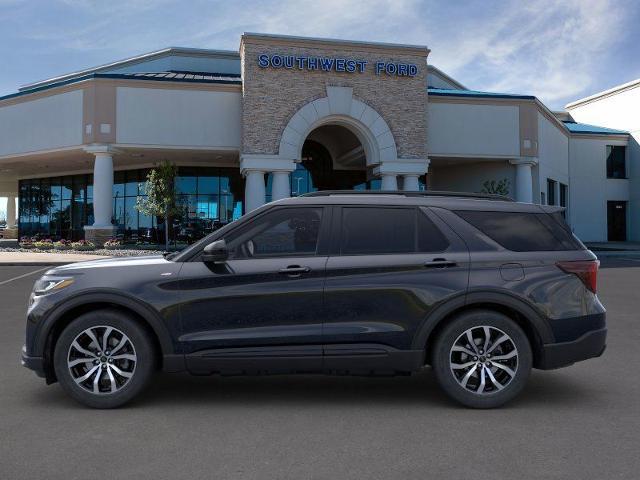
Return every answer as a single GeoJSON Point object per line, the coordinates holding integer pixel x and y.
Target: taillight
{"type": "Point", "coordinates": [585, 270]}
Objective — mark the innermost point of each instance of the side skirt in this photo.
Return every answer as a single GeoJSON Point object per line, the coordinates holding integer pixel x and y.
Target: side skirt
{"type": "Point", "coordinates": [342, 359]}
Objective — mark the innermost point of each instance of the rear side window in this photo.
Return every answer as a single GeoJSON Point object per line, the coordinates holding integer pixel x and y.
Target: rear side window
{"type": "Point", "coordinates": [522, 232]}
{"type": "Point", "coordinates": [369, 230]}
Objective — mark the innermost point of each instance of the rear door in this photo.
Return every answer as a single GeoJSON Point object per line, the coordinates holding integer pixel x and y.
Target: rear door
{"type": "Point", "coordinates": [388, 267]}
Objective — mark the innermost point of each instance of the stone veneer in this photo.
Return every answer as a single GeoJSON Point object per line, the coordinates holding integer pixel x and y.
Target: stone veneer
{"type": "Point", "coordinates": [271, 96]}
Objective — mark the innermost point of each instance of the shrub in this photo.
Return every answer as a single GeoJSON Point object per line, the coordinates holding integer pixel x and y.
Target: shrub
{"type": "Point", "coordinates": [62, 245]}
{"type": "Point", "coordinates": [113, 244]}
{"type": "Point", "coordinates": [25, 242]}
{"type": "Point", "coordinates": [46, 244]}
{"type": "Point", "coordinates": [83, 245]}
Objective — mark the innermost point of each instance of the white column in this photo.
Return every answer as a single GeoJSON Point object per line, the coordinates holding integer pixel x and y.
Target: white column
{"type": "Point", "coordinates": [11, 212]}
{"type": "Point", "coordinates": [524, 179]}
{"type": "Point", "coordinates": [389, 182]}
{"type": "Point", "coordinates": [280, 187]}
{"type": "Point", "coordinates": [103, 189]}
{"type": "Point", "coordinates": [410, 183]}
{"type": "Point", "coordinates": [254, 190]}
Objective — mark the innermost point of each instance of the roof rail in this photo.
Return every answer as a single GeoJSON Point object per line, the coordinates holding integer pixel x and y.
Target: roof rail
{"type": "Point", "coordinates": [425, 193]}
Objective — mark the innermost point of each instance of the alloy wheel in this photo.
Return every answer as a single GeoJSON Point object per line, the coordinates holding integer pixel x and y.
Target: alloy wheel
{"type": "Point", "coordinates": [102, 360]}
{"type": "Point", "coordinates": [483, 360]}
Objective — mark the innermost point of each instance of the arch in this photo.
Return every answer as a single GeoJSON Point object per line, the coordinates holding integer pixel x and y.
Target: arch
{"type": "Point", "coordinates": [340, 108]}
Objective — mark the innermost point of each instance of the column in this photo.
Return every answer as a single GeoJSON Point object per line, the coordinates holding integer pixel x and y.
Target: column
{"type": "Point", "coordinates": [524, 179]}
{"type": "Point", "coordinates": [389, 182]}
{"type": "Point", "coordinates": [410, 183]}
{"type": "Point", "coordinates": [11, 211]}
{"type": "Point", "coordinates": [254, 190]}
{"type": "Point", "coordinates": [102, 228]}
{"type": "Point", "coordinates": [280, 186]}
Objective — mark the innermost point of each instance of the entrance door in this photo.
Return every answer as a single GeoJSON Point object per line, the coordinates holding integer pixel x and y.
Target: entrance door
{"type": "Point", "coordinates": [617, 221]}
{"type": "Point", "coordinates": [261, 310]}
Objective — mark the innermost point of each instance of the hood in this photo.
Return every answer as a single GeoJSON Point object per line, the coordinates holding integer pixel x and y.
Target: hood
{"type": "Point", "coordinates": [112, 262]}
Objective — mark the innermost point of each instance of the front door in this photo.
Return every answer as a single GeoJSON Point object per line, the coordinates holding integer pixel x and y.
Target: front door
{"type": "Point", "coordinates": [261, 309]}
{"type": "Point", "coordinates": [617, 221]}
{"type": "Point", "coordinates": [388, 267]}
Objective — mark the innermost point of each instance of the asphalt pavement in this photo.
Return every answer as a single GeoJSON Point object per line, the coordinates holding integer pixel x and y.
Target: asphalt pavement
{"type": "Point", "coordinates": [578, 422]}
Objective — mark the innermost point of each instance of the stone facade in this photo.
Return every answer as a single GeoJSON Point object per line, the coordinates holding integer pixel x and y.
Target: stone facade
{"type": "Point", "coordinates": [271, 96]}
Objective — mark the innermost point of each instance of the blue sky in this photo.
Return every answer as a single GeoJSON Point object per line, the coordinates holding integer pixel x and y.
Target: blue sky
{"type": "Point", "coordinates": [559, 51]}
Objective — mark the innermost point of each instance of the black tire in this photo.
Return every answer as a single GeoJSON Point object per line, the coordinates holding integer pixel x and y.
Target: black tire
{"type": "Point", "coordinates": [441, 359]}
{"type": "Point", "coordinates": [144, 365]}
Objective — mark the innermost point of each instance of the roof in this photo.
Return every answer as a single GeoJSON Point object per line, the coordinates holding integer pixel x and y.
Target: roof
{"type": "Point", "coordinates": [604, 93]}
{"type": "Point", "coordinates": [165, 52]}
{"type": "Point", "coordinates": [171, 76]}
{"type": "Point", "coordinates": [584, 128]}
{"type": "Point", "coordinates": [475, 93]}
{"type": "Point", "coordinates": [436, 71]}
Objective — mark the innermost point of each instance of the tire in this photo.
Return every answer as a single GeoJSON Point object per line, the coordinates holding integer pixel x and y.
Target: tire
{"type": "Point", "coordinates": [453, 364]}
{"type": "Point", "coordinates": [122, 374]}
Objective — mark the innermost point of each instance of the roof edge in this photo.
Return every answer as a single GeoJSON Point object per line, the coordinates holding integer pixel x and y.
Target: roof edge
{"type": "Point", "coordinates": [447, 77]}
{"type": "Point", "coordinates": [131, 61]}
{"type": "Point", "coordinates": [605, 93]}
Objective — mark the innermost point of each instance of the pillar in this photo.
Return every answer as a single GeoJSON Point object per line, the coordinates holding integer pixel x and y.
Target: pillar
{"type": "Point", "coordinates": [524, 179]}
{"type": "Point", "coordinates": [11, 211]}
{"type": "Point", "coordinates": [102, 229]}
{"type": "Point", "coordinates": [410, 183]}
{"type": "Point", "coordinates": [389, 182]}
{"type": "Point", "coordinates": [254, 190]}
{"type": "Point", "coordinates": [280, 186]}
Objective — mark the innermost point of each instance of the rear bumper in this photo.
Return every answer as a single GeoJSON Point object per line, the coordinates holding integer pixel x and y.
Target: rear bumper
{"type": "Point", "coordinates": [32, 363]}
{"type": "Point", "coordinates": [591, 344]}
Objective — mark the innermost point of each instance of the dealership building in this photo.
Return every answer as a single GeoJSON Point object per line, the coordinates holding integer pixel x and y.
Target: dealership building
{"type": "Point", "coordinates": [287, 115]}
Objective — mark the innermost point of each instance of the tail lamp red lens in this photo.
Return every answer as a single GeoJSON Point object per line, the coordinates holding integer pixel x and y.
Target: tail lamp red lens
{"type": "Point", "coordinates": [585, 270]}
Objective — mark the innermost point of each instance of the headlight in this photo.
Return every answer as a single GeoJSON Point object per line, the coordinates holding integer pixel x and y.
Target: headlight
{"type": "Point", "coordinates": [51, 284]}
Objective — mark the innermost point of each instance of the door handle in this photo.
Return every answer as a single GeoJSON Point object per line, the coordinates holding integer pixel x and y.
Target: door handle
{"type": "Point", "coordinates": [294, 270]}
{"type": "Point", "coordinates": [440, 263]}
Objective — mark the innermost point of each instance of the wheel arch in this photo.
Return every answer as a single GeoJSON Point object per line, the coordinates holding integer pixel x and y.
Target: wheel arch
{"type": "Point", "coordinates": [66, 312]}
{"type": "Point", "coordinates": [534, 324]}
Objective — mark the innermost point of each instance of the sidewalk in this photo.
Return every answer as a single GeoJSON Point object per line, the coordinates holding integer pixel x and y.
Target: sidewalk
{"type": "Point", "coordinates": [32, 258]}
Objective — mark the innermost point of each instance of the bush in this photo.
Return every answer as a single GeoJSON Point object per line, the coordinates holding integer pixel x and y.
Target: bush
{"type": "Point", "coordinates": [62, 245]}
{"type": "Point", "coordinates": [25, 242]}
{"type": "Point", "coordinates": [83, 245]}
{"type": "Point", "coordinates": [113, 244]}
{"type": "Point", "coordinates": [46, 244]}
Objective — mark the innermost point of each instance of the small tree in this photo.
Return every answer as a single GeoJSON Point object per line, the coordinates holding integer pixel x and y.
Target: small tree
{"type": "Point", "coordinates": [160, 191]}
{"type": "Point", "coordinates": [500, 187]}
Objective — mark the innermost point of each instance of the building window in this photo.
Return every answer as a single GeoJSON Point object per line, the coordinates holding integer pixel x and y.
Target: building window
{"type": "Point", "coordinates": [563, 198]}
{"type": "Point", "coordinates": [551, 192]}
{"type": "Point", "coordinates": [543, 199]}
{"type": "Point", "coordinates": [616, 161]}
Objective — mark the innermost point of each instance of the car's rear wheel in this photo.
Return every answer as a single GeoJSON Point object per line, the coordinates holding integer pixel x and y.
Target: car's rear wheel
{"type": "Point", "coordinates": [482, 359]}
{"type": "Point", "coordinates": [103, 359]}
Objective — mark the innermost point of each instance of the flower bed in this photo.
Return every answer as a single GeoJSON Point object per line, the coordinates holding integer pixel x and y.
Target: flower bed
{"type": "Point", "coordinates": [62, 245]}
{"type": "Point", "coordinates": [113, 244]}
{"type": "Point", "coordinates": [83, 246]}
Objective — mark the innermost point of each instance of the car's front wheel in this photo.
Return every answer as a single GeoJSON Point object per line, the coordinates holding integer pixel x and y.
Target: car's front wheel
{"type": "Point", "coordinates": [482, 359]}
{"type": "Point", "coordinates": [103, 359]}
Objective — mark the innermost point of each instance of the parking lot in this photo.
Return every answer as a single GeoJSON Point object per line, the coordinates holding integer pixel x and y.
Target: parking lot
{"type": "Point", "coordinates": [578, 422]}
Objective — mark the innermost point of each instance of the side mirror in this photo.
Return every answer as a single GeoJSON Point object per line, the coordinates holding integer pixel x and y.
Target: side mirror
{"type": "Point", "coordinates": [215, 252]}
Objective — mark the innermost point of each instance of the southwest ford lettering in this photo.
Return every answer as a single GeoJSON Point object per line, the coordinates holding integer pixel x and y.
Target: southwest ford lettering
{"type": "Point", "coordinates": [330, 64]}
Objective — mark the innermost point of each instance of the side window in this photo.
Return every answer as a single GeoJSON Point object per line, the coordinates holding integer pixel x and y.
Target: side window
{"type": "Point", "coordinates": [375, 230]}
{"type": "Point", "coordinates": [521, 231]}
{"type": "Point", "coordinates": [430, 239]}
{"type": "Point", "coordinates": [283, 232]}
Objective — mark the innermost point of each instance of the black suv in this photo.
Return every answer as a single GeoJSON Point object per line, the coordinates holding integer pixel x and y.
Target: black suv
{"type": "Point", "coordinates": [480, 288]}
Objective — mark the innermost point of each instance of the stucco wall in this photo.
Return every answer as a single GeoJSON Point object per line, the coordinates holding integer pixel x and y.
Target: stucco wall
{"type": "Point", "coordinates": [468, 129]}
{"type": "Point", "coordinates": [553, 158]}
{"type": "Point", "coordinates": [45, 123]}
{"type": "Point", "coordinates": [271, 96]}
{"type": "Point", "coordinates": [469, 176]}
{"type": "Point", "coordinates": [590, 189]}
{"type": "Point", "coordinates": [190, 118]}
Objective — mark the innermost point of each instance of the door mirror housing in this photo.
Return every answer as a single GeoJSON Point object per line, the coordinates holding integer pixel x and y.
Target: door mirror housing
{"type": "Point", "coordinates": [215, 252]}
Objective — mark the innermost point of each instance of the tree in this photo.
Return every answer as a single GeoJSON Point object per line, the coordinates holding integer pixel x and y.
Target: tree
{"type": "Point", "coordinates": [161, 199]}
{"type": "Point", "coordinates": [496, 188]}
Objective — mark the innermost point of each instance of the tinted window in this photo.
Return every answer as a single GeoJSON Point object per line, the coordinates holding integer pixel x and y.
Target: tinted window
{"type": "Point", "coordinates": [378, 230]}
{"type": "Point", "coordinates": [551, 191]}
{"type": "Point", "coordinates": [523, 232]}
{"type": "Point", "coordinates": [287, 231]}
{"type": "Point", "coordinates": [616, 167]}
{"type": "Point", "coordinates": [430, 239]}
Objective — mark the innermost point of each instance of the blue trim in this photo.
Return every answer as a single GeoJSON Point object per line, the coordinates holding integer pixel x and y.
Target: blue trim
{"type": "Point", "coordinates": [584, 128]}
{"type": "Point", "coordinates": [121, 76]}
{"type": "Point", "coordinates": [444, 92]}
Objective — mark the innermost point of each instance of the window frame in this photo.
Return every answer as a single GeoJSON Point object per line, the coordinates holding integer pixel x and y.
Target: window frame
{"type": "Point", "coordinates": [240, 230]}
